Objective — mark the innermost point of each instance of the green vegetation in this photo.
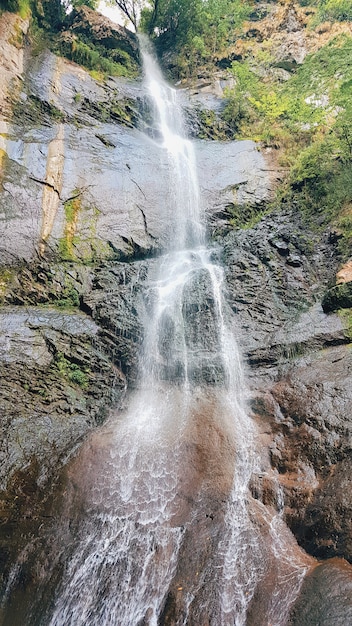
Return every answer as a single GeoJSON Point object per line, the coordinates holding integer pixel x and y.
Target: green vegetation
{"type": "Point", "coordinates": [72, 208]}
{"type": "Point", "coordinates": [69, 298]}
{"type": "Point", "coordinates": [308, 116]}
{"type": "Point", "coordinates": [321, 172]}
{"type": "Point", "coordinates": [196, 31]}
{"type": "Point", "coordinates": [81, 249]}
{"type": "Point", "coordinates": [304, 111]}
{"type": "Point", "coordinates": [333, 10]}
{"type": "Point", "coordinates": [50, 26]}
{"type": "Point", "coordinates": [54, 8]}
{"type": "Point", "coordinates": [6, 278]}
{"type": "Point", "coordinates": [254, 107]}
{"type": "Point", "coordinates": [93, 4]}
{"type": "Point", "coordinates": [346, 316]}
{"type": "Point", "coordinates": [23, 7]}
{"type": "Point", "coordinates": [246, 216]}
{"type": "Point", "coordinates": [317, 96]}
{"type": "Point", "coordinates": [71, 371]}
{"type": "Point", "coordinates": [37, 111]}
{"type": "Point", "coordinates": [98, 59]}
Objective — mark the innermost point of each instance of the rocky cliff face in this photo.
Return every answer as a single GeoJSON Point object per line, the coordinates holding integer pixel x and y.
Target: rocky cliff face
{"type": "Point", "coordinates": [79, 203]}
{"type": "Point", "coordinates": [83, 215]}
{"type": "Point", "coordinates": [76, 184]}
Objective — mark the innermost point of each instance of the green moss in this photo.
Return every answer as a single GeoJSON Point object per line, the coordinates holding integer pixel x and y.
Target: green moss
{"type": "Point", "coordinates": [6, 278]}
{"type": "Point", "coordinates": [66, 244]}
{"type": "Point", "coordinates": [17, 37]}
{"type": "Point", "coordinates": [119, 112]}
{"type": "Point", "coordinates": [71, 371]}
{"type": "Point", "coordinates": [346, 317]}
{"type": "Point", "coordinates": [98, 59]}
{"type": "Point", "coordinates": [83, 249]}
{"type": "Point", "coordinates": [247, 215]}
{"type": "Point", "coordinates": [72, 208]}
{"type": "Point", "coordinates": [36, 112]}
{"type": "Point", "coordinates": [97, 75]}
{"type": "Point", "coordinates": [64, 250]}
{"type": "Point", "coordinates": [116, 109]}
{"type": "Point", "coordinates": [338, 297]}
{"type": "Point", "coordinates": [212, 126]}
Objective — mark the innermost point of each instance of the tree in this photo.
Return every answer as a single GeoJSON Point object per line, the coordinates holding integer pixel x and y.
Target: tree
{"type": "Point", "coordinates": [196, 31]}
{"type": "Point", "coordinates": [176, 22]}
{"type": "Point", "coordinates": [131, 9]}
{"type": "Point", "coordinates": [93, 4]}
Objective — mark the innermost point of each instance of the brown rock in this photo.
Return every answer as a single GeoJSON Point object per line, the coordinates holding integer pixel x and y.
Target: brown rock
{"type": "Point", "coordinates": [309, 412]}
{"type": "Point", "coordinates": [327, 528]}
{"type": "Point", "coordinates": [344, 275]}
{"type": "Point", "coordinates": [326, 596]}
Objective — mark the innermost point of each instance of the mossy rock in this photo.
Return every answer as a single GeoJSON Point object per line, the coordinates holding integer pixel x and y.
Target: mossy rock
{"type": "Point", "coordinates": [338, 297]}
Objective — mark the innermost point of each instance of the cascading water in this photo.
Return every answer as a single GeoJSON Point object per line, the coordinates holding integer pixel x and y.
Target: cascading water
{"type": "Point", "coordinates": [168, 532]}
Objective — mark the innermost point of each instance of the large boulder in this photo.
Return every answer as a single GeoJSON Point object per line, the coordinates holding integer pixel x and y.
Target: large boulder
{"type": "Point", "coordinates": [325, 597]}
{"type": "Point", "coordinates": [338, 297]}
{"type": "Point", "coordinates": [100, 30]}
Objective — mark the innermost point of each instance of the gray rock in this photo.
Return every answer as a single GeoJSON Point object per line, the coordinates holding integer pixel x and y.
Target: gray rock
{"type": "Point", "coordinates": [268, 294]}
{"type": "Point", "coordinates": [59, 383]}
{"type": "Point", "coordinates": [73, 137]}
{"type": "Point", "coordinates": [82, 183]}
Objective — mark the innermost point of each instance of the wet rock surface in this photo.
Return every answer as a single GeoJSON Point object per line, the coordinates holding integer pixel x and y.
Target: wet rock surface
{"type": "Point", "coordinates": [277, 272]}
{"type": "Point", "coordinates": [93, 512]}
{"type": "Point", "coordinates": [299, 371]}
{"type": "Point", "coordinates": [307, 412]}
{"type": "Point", "coordinates": [326, 528]}
{"type": "Point", "coordinates": [72, 145]}
{"type": "Point", "coordinates": [299, 360]}
{"type": "Point", "coordinates": [76, 184]}
{"type": "Point", "coordinates": [122, 208]}
{"type": "Point", "coordinates": [59, 381]}
{"type": "Point", "coordinates": [326, 596]}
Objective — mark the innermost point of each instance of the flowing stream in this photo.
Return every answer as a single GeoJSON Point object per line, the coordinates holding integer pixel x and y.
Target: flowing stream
{"type": "Point", "coordinates": [168, 531]}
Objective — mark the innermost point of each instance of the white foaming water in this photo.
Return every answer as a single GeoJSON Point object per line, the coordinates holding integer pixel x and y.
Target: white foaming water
{"type": "Point", "coordinates": [187, 225]}
{"type": "Point", "coordinates": [127, 553]}
{"type": "Point", "coordinates": [137, 509]}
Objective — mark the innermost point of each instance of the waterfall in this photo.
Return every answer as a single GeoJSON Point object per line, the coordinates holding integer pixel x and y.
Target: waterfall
{"type": "Point", "coordinates": [168, 531]}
